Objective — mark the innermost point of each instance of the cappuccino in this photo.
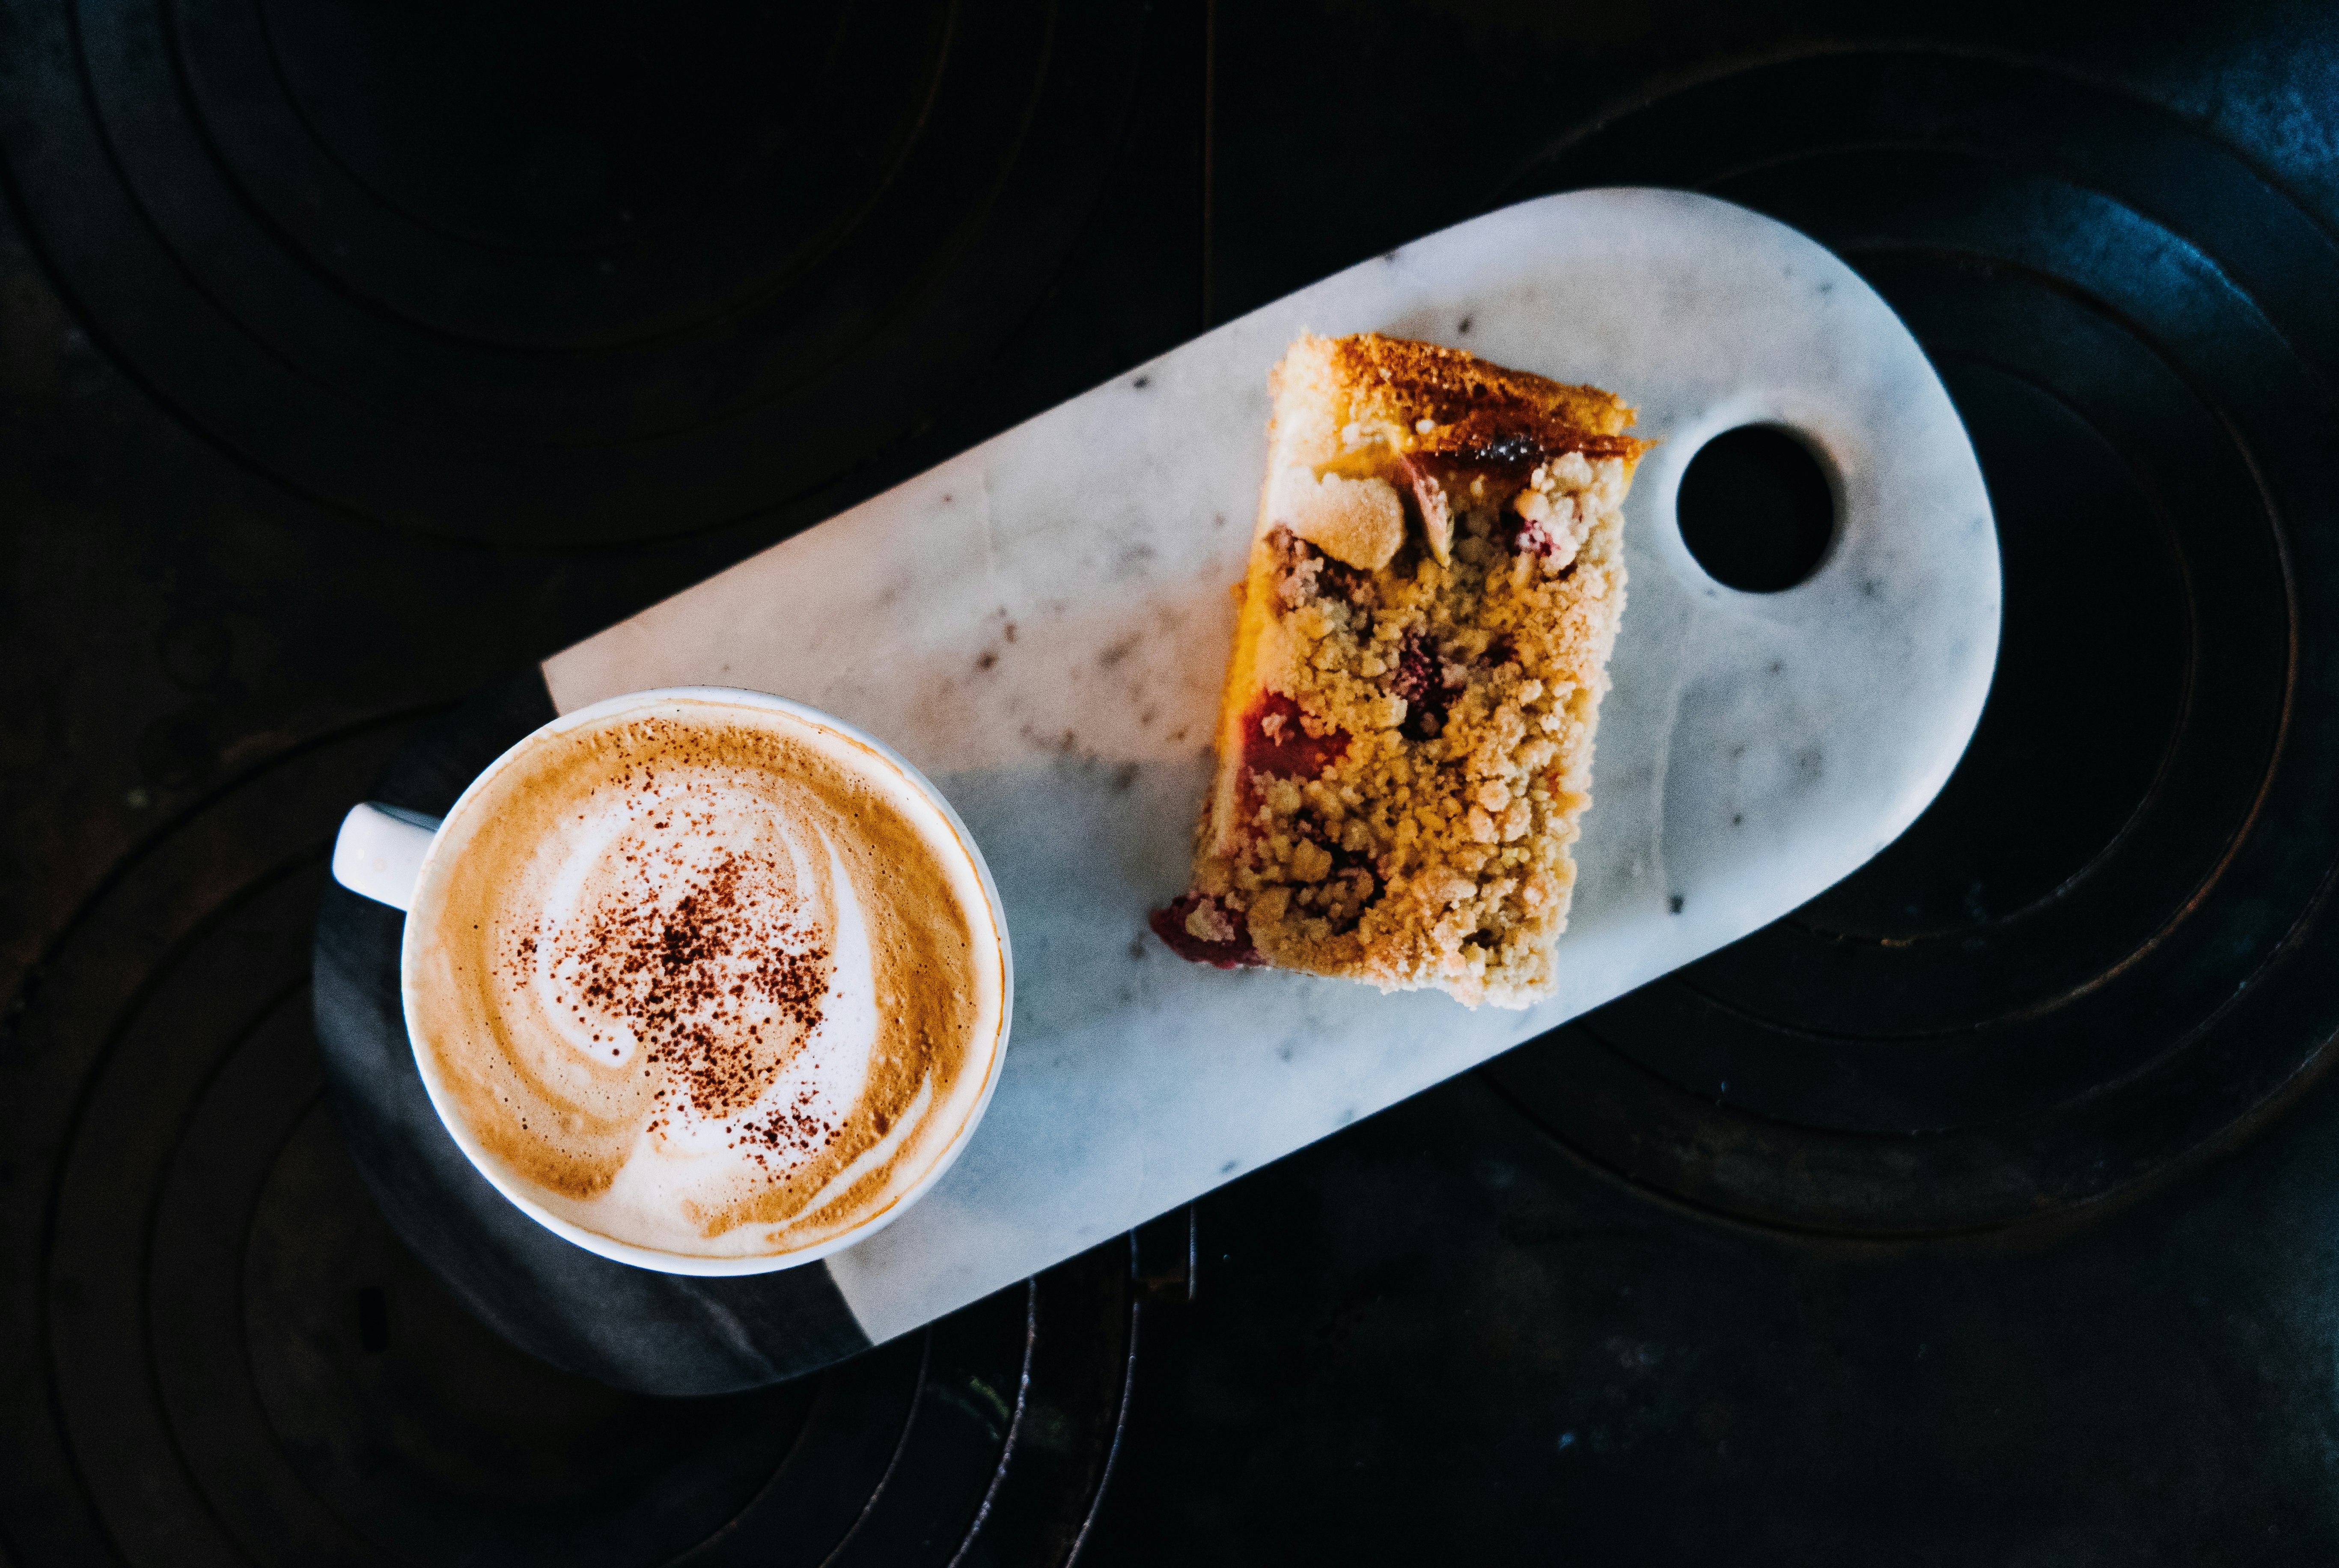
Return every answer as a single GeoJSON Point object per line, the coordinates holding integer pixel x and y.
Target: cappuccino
{"type": "Point", "coordinates": [705, 977]}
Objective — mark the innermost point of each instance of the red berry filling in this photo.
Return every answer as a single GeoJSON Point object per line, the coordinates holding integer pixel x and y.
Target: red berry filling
{"type": "Point", "coordinates": [1275, 740]}
{"type": "Point", "coordinates": [1170, 925]}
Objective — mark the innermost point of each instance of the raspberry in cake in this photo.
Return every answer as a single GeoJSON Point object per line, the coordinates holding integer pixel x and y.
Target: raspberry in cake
{"type": "Point", "coordinates": [1405, 746]}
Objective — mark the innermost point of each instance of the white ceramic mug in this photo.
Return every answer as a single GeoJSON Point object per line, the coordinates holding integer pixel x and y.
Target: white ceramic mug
{"type": "Point", "coordinates": [388, 853]}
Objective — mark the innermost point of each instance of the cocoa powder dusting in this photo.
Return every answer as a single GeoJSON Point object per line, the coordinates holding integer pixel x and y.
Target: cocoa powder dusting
{"type": "Point", "coordinates": [686, 975]}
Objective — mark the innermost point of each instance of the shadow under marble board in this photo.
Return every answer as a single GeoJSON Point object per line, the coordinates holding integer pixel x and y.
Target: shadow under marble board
{"type": "Point", "coordinates": [1040, 625]}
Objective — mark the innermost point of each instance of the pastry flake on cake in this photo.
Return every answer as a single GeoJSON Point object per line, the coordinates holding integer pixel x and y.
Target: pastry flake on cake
{"type": "Point", "coordinates": [1404, 745]}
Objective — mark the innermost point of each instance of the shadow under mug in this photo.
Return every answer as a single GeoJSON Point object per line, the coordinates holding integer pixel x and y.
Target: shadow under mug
{"type": "Point", "coordinates": [386, 854]}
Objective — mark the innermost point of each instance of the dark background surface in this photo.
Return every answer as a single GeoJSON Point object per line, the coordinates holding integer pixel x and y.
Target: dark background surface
{"type": "Point", "coordinates": [1981, 1212]}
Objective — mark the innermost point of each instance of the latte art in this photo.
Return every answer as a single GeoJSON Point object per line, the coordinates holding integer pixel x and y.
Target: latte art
{"type": "Point", "coordinates": [685, 930]}
{"type": "Point", "coordinates": [703, 979]}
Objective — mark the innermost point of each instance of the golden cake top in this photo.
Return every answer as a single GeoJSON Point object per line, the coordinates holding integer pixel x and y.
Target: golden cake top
{"type": "Point", "coordinates": [1398, 396]}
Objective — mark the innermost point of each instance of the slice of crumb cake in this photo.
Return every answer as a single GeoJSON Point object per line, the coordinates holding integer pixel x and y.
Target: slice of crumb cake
{"type": "Point", "coordinates": [1405, 746]}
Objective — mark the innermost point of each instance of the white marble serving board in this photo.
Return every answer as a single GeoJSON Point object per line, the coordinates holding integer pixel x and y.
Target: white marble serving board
{"type": "Point", "coordinates": [1042, 625]}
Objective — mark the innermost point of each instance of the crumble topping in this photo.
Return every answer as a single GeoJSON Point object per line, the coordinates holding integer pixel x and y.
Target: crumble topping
{"type": "Point", "coordinates": [1405, 747]}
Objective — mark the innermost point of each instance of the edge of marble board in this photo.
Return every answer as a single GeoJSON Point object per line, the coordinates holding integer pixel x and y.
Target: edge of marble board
{"type": "Point", "coordinates": [1052, 611]}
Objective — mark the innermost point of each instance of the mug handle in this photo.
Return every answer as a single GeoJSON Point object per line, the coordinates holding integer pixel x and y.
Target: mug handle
{"type": "Point", "coordinates": [380, 851]}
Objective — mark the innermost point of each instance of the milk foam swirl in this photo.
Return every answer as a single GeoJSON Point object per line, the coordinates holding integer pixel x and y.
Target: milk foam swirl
{"type": "Point", "coordinates": [691, 925]}
{"type": "Point", "coordinates": [710, 983]}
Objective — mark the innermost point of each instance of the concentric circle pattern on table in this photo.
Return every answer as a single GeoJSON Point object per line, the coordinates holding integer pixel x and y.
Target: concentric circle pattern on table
{"type": "Point", "coordinates": [559, 273]}
{"type": "Point", "coordinates": [2103, 945]}
{"type": "Point", "coordinates": [219, 1351]}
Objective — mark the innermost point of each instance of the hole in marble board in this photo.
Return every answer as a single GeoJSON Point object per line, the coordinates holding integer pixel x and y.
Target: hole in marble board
{"type": "Point", "coordinates": [1756, 510]}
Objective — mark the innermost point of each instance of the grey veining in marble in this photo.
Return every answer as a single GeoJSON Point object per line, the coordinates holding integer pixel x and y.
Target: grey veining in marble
{"type": "Point", "coordinates": [1042, 625]}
